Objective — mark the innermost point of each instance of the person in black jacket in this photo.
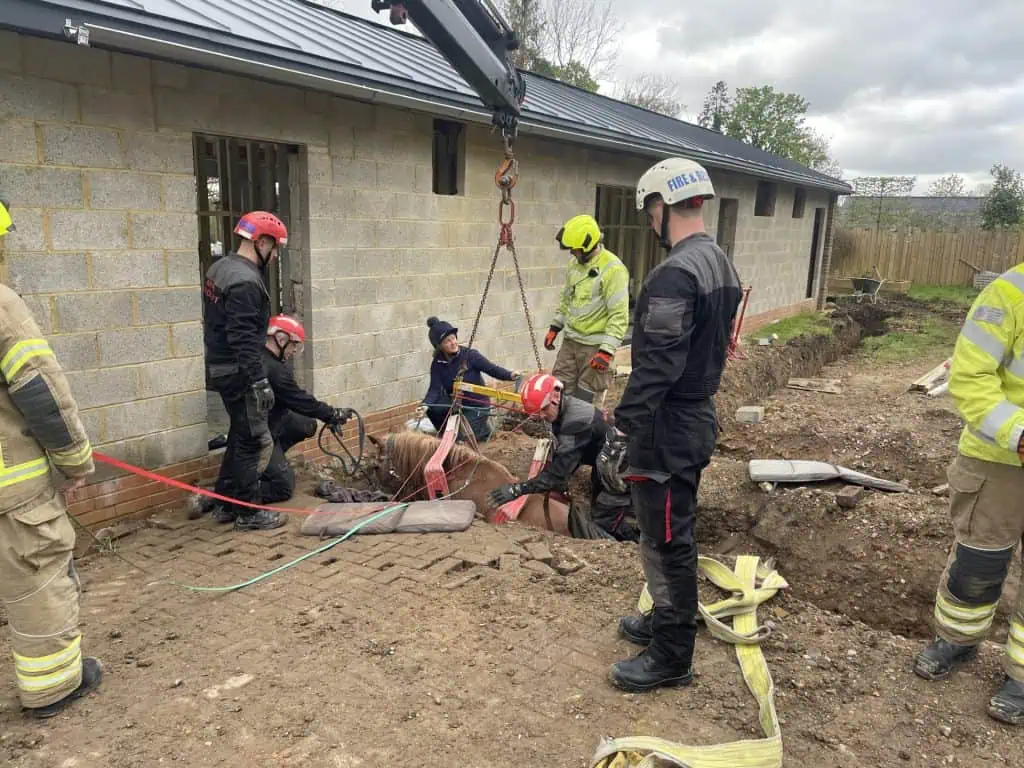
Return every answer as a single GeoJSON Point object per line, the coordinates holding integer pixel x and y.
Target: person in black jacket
{"type": "Point", "coordinates": [445, 368]}
{"type": "Point", "coordinates": [580, 434]}
{"type": "Point", "coordinates": [681, 328]}
{"type": "Point", "coordinates": [236, 311]}
{"type": "Point", "coordinates": [292, 419]}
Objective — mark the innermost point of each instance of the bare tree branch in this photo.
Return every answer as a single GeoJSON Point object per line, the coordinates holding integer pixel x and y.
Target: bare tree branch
{"type": "Point", "coordinates": [654, 91]}
{"type": "Point", "coordinates": [584, 32]}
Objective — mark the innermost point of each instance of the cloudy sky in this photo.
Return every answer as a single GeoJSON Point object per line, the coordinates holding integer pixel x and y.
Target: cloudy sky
{"type": "Point", "coordinates": [909, 87]}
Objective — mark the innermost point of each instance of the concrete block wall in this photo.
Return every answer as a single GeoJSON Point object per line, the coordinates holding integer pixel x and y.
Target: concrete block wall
{"type": "Point", "coordinates": [772, 253]}
{"type": "Point", "coordinates": [104, 252]}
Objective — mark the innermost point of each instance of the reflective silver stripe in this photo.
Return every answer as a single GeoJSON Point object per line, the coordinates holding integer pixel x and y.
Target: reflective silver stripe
{"type": "Point", "coordinates": [996, 418]}
{"type": "Point", "coordinates": [587, 308]}
{"type": "Point", "coordinates": [981, 338]}
{"type": "Point", "coordinates": [1016, 367]}
{"type": "Point", "coordinates": [984, 438]}
{"type": "Point", "coordinates": [593, 339]}
{"type": "Point", "coordinates": [616, 298]}
{"type": "Point", "coordinates": [1014, 278]}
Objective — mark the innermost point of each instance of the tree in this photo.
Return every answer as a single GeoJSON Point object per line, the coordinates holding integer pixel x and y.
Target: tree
{"type": "Point", "coordinates": [526, 19]}
{"type": "Point", "coordinates": [570, 40]}
{"type": "Point", "coordinates": [879, 201]}
{"type": "Point", "coordinates": [1004, 204]}
{"type": "Point", "coordinates": [951, 185]}
{"type": "Point", "coordinates": [656, 92]}
{"type": "Point", "coordinates": [716, 108]}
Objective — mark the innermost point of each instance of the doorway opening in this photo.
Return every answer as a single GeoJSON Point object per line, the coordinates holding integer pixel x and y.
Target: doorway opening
{"type": "Point", "coordinates": [234, 176]}
{"type": "Point", "coordinates": [812, 267]}
{"type": "Point", "coordinates": [725, 232]}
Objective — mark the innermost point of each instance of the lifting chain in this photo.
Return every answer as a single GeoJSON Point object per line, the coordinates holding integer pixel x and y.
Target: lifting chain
{"type": "Point", "coordinates": [505, 179]}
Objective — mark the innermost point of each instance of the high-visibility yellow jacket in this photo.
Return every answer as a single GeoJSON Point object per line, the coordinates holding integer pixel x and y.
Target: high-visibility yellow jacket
{"type": "Point", "coordinates": [986, 377]}
{"type": "Point", "coordinates": [594, 306]}
{"type": "Point", "coordinates": [39, 422]}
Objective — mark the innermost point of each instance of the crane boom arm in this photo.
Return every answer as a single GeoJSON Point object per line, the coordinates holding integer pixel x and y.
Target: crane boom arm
{"type": "Point", "coordinates": [475, 39]}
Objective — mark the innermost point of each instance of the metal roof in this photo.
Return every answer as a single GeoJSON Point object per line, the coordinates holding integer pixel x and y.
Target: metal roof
{"type": "Point", "coordinates": [298, 42]}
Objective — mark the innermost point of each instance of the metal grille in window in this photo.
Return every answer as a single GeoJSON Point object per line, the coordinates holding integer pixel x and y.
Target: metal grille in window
{"type": "Point", "coordinates": [627, 234]}
{"type": "Point", "coordinates": [236, 176]}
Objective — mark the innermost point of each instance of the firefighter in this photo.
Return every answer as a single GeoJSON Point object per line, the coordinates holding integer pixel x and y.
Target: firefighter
{"type": "Point", "coordinates": [581, 436]}
{"type": "Point", "coordinates": [986, 380]}
{"type": "Point", "coordinates": [681, 330]}
{"type": "Point", "coordinates": [236, 313]}
{"type": "Point", "coordinates": [593, 310]}
{"type": "Point", "coordinates": [40, 431]}
{"type": "Point", "coordinates": [291, 420]}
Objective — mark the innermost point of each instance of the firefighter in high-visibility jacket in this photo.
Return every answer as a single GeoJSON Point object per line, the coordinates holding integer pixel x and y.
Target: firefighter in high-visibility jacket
{"type": "Point", "coordinates": [593, 310]}
{"type": "Point", "coordinates": [986, 483]}
{"type": "Point", "coordinates": [45, 452]}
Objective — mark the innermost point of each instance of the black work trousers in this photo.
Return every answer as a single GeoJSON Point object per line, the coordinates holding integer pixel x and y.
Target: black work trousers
{"type": "Point", "coordinates": [665, 504]}
{"type": "Point", "coordinates": [277, 483]}
{"type": "Point", "coordinates": [248, 451]}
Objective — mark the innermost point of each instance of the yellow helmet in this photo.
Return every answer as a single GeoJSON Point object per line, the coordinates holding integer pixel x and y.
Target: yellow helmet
{"type": "Point", "coordinates": [579, 233]}
{"type": "Point", "coordinates": [6, 224]}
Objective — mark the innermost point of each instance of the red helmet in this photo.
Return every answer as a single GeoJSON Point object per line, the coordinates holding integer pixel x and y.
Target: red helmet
{"type": "Point", "coordinates": [537, 391]}
{"type": "Point", "coordinates": [289, 325]}
{"type": "Point", "coordinates": [255, 224]}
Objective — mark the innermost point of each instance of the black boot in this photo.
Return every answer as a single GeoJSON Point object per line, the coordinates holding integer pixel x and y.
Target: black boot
{"type": "Point", "coordinates": [259, 520]}
{"type": "Point", "coordinates": [92, 674]}
{"type": "Point", "coordinates": [201, 506]}
{"type": "Point", "coordinates": [636, 629]}
{"type": "Point", "coordinates": [939, 657]}
{"type": "Point", "coordinates": [224, 513]}
{"type": "Point", "coordinates": [645, 673]}
{"type": "Point", "coordinates": [1007, 706]}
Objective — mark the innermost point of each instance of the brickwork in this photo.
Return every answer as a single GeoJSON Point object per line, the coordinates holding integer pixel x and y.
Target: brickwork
{"type": "Point", "coordinates": [96, 158]}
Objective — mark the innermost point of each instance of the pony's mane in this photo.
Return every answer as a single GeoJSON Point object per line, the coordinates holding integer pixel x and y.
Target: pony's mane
{"type": "Point", "coordinates": [412, 450]}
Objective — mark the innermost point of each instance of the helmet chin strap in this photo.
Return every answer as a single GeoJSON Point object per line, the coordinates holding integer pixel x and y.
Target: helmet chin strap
{"type": "Point", "coordinates": [665, 243]}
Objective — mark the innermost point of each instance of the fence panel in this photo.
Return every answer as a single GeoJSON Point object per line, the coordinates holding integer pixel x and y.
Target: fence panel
{"type": "Point", "coordinates": [925, 256]}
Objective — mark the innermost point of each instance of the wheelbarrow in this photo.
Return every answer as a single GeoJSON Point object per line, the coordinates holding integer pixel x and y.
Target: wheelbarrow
{"type": "Point", "coordinates": [867, 286]}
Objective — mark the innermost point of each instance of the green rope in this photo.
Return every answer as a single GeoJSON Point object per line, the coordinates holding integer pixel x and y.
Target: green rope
{"type": "Point", "coordinates": [296, 561]}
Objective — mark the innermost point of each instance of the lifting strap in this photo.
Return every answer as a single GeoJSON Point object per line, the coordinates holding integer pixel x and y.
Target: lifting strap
{"type": "Point", "coordinates": [745, 634]}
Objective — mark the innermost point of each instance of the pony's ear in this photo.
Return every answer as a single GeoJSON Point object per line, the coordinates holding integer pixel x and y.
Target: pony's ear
{"type": "Point", "coordinates": [376, 442]}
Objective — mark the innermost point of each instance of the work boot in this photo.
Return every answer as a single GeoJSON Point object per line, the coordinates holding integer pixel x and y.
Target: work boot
{"type": "Point", "coordinates": [1007, 705]}
{"type": "Point", "coordinates": [224, 513]}
{"type": "Point", "coordinates": [636, 629]}
{"type": "Point", "coordinates": [645, 673]}
{"type": "Point", "coordinates": [200, 505]}
{"type": "Point", "coordinates": [938, 658]}
{"type": "Point", "coordinates": [260, 520]}
{"type": "Point", "coordinates": [92, 674]}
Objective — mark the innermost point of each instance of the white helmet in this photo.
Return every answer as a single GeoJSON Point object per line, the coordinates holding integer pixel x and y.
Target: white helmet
{"type": "Point", "coordinates": [675, 179]}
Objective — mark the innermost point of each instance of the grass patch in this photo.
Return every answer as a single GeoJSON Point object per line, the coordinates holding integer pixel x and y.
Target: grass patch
{"type": "Point", "coordinates": [804, 324]}
{"type": "Point", "coordinates": [935, 335]}
{"type": "Point", "coordinates": [961, 295]}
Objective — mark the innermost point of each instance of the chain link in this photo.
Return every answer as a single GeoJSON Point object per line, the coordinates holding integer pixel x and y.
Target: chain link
{"type": "Point", "coordinates": [505, 178]}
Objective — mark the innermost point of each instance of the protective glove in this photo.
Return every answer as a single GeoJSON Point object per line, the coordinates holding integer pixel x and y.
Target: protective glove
{"type": "Point", "coordinates": [504, 494]}
{"type": "Point", "coordinates": [601, 361]}
{"type": "Point", "coordinates": [341, 415]}
{"type": "Point", "coordinates": [263, 395]}
{"type": "Point", "coordinates": [549, 339]}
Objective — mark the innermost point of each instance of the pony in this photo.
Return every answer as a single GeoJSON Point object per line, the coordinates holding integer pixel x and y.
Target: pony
{"type": "Point", "coordinates": [398, 469]}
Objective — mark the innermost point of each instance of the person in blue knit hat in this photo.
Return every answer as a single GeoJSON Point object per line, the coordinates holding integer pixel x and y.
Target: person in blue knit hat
{"type": "Point", "coordinates": [448, 359]}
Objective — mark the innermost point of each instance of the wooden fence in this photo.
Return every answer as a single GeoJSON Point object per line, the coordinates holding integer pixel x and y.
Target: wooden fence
{"type": "Point", "coordinates": [925, 256]}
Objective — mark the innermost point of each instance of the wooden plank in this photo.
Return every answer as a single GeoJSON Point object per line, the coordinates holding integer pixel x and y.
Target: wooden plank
{"type": "Point", "coordinates": [828, 386]}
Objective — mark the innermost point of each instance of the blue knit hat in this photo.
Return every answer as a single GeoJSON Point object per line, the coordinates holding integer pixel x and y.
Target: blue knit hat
{"type": "Point", "coordinates": [439, 331]}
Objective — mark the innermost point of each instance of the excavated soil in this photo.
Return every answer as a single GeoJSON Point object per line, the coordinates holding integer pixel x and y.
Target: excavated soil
{"type": "Point", "coordinates": [508, 669]}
